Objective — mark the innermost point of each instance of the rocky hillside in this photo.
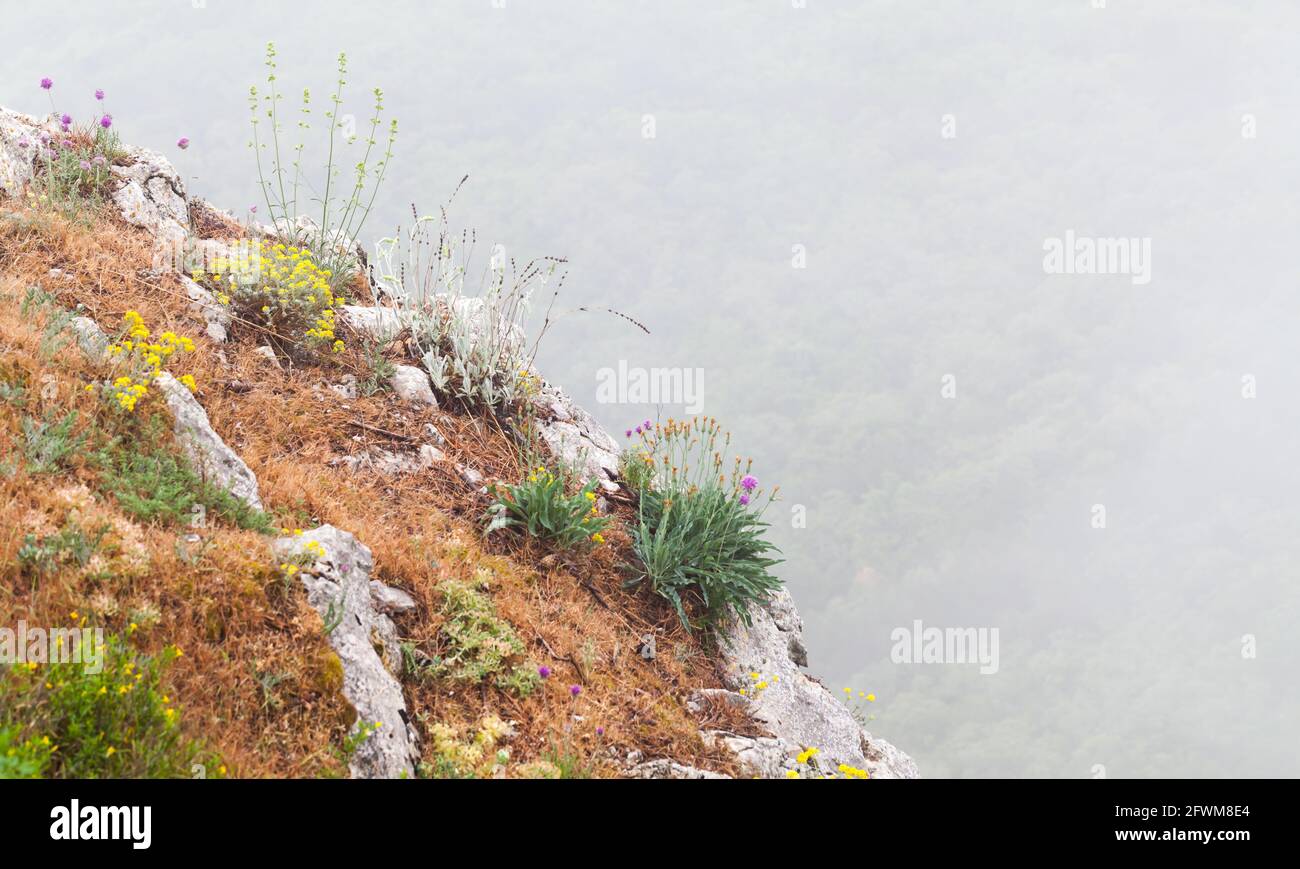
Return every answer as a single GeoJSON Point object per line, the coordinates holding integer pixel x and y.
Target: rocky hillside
{"type": "Point", "coordinates": [287, 555]}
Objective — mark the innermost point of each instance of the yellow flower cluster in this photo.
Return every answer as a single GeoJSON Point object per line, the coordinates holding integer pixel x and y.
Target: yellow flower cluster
{"type": "Point", "coordinates": [758, 685]}
{"type": "Point", "coordinates": [149, 358]}
{"type": "Point", "coordinates": [283, 287]}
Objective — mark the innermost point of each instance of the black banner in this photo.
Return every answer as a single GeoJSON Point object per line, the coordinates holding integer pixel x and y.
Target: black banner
{"type": "Point", "coordinates": [143, 819]}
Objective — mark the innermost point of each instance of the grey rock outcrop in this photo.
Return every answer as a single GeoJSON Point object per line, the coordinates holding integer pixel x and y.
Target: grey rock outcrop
{"type": "Point", "coordinates": [205, 449]}
{"type": "Point", "coordinates": [19, 138]}
{"type": "Point", "coordinates": [340, 589]}
{"type": "Point", "coordinates": [215, 316]}
{"type": "Point", "coordinates": [798, 711]}
{"type": "Point", "coordinates": [411, 384]}
{"type": "Point", "coordinates": [152, 196]}
{"type": "Point", "coordinates": [575, 438]}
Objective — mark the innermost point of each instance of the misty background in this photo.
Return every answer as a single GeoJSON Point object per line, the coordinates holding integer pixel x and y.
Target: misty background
{"type": "Point", "coordinates": [777, 126]}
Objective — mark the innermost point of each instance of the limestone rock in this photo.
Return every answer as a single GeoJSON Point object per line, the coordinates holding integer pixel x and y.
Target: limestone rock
{"type": "Point", "coordinates": [671, 769]}
{"type": "Point", "coordinates": [412, 384]}
{"type": "Point", "coordinates": [377, 324]}
{"type": "Point", "coordinates": [207, 452]}
{"type": "Point", "coordinates": [152, 196]}
{"type": "Point", "coordinates": [797, 710]}
{"type": "Point", "coordinates": [339, 588]}
{"type": "Point", "coordinates": [390, 601]}
{"type": "Point", "coordinates": [575, 438]}
{"type": "Point", "coordinates": [387, 463]}
{"type": "Point", "coordinates": [216, 317]}
{"type": "Point", "coordinates": [90, 338]}
{"type": "Point", "coordinates": [19, 139]}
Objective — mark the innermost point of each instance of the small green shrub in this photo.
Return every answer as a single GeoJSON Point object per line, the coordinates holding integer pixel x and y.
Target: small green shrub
{"type": "Point", "coordinates": [697, 531]}
{"type": "Point", "coordinates": [48, 444]}
{"type": "Point", "coordinates": [541, 506]}
{"type": "Point", "coordinates": [43, 556]}
{"type": "Point", "coordinates": [73, 164]}
{"type": "Point", "coordinates": [477, 644]}
{"type": "Point", "coordinates": [153, 483]}
{"type": "Point", "coordinates": [64, 721]}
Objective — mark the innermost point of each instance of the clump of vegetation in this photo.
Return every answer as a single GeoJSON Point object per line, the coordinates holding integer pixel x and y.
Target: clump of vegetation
{"type": "Point", "coordinates": [699, 531]}
{"type": "Point", "coordinates": [48, 445]}
{"type": "Point", "coordinates": [152, 482]}
{"type": "Point", "coordinates": [478, 644]}
{"type": "Point", "coordinates": [472, 344]}
{"type": "Point", "coordinates": [44, 556]}
{"type": "Point", "coordinates": [466, 756]}
{"type": "Point", "coordinates": [73, 163]}
{"type": "Point", "coordinates": [143, 360]}
{"type": "Point", "coordinates": [282, 291]}
{"type": "Point", "coordinates": [341, 218]}
{"type": "Point", "coordinates": [541, 506]}
{"type": "Point", "coordinates": [72, 720]}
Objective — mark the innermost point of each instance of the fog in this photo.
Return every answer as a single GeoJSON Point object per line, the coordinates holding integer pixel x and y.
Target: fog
{"type": "Point", "coordinates": [841, 214]}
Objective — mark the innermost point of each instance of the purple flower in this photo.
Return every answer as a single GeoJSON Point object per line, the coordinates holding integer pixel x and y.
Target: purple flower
{"type": "Point", "coordinates": [544, 672]}
{"type": "Point", "coordinates": [629, 432]}
{"type": "Point", "coordinates": [47, 83]}
{"type": "Point", "coordinates": [106, 121]}
{"type": "Point", "coordinates": [66, 120]}
{"type": "Point", "coordinates": [749, 482]}
{"type": "Point", "coordinates": [67, 143]}
{"type": "Point", "coordinates": [600, 731]}
{"type": "Point", "coordinates": [182, 143]}
{"type": "Point", "coordinates": [646, 425]}
{"type": "Point", "coordinates": [100, 161]}
{"type": "Point", "coordinates": [99, 95]}
{"type": "Point", "coordinates": [744, 500]}
{"type": "Point", "coordinates": [85, 165]}
{"type": "Point", "coordinates": [638, 429]}
{"type": "Point", "coordinates": [252, 209]}
{"type": "Point", "coordinates": [24, 142]}
{"type": "Point", "coordinates": [575, 690]}
{"type": "Point", "coordinates": [45, 138]}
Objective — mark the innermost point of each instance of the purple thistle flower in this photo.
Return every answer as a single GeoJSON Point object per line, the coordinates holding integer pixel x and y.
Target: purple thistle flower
{"type": "Point", "coordinates": [646, 425]}
{"type": "Point", "coordinates": [575, 690]}
{"type": "Point", "coordinates": [100, 161]}
{"type": "Point", "coordinates": [67, 143]}
{"type": "Point", "coordinates": [749, 482]}
{"type": "Point", "coordinates": [600, 731]}
{"type": "Point", "coordinates": [182, 143]}
{"type": "Point", "coordinates": [66, 120]}
{"type": "Point", "coordinates": [85, 165]}
{"type": "Point", "coordinates": [47, 83]}
{"type": "Point", "coordinates": [99, 95]}
{"type": "Point", "coordinates": [544, 672]}
{"type": "Point", "coordinates": [638, 429]}
{"type": "Point", "coordinates": [106, 121]}
{"type": "Point", "coordinates": [629, 432]}
{"type": "Point", "coordinates": [45, 138]}
{"type": "Point", "coordinates": [744, 500]}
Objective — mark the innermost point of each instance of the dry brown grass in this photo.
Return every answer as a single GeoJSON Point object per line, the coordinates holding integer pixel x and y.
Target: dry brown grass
{"type": "Point", "coordinates": [234, 617]}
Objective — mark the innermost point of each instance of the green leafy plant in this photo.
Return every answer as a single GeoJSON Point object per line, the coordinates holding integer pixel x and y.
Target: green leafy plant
{"type": "Point", "coordinates": [477, 643]}
{"type": "Point", "coordinates": [542, 506]}
{"type": "Point", "coordinates": [153, 483]}
{"type": "Point", "coordinates": [112, 721]}
{"type": "Point", "coordinates": [698, 532]}
{"type": "Point", "coordinates": [283, 180]}
{"type": "Point", "coordinates": [48, 444]}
